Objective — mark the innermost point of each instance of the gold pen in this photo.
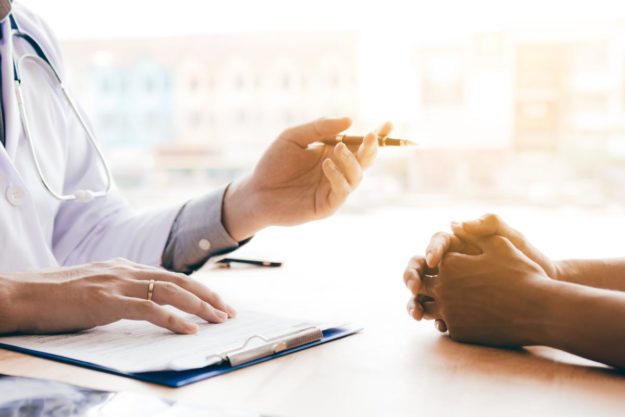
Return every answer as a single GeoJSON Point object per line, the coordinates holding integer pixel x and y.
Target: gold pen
{"type": "Point", "coordinates": [357, 140]}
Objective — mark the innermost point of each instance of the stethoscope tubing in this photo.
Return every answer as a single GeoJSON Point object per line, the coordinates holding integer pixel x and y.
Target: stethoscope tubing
{"type": "Point", "coordinates": [83, 195]}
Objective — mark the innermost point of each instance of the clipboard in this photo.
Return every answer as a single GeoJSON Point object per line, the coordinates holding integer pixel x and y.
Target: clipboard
{"type": "Point", "coordinates": [246, 355]}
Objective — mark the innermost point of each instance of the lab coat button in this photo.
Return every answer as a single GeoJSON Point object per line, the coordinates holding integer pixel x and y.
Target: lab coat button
{"type": "Point", "coordinates": [15, 196]}
{"type": "Point", "coordinates": [204, 244]}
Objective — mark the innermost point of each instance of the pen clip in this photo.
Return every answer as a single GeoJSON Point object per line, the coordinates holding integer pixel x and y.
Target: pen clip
{"type": "Point", "coordinates": [227, 262]}
{"type": "Point", "coordinates": [270, 346]}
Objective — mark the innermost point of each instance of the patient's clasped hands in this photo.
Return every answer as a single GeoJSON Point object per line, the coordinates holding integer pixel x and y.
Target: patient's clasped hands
{"type": "Point", "coordinates": [483, 283]}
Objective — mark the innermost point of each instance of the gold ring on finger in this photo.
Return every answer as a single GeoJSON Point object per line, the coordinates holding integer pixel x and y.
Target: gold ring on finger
{"type": "Point", "coordinates": [151, 289]}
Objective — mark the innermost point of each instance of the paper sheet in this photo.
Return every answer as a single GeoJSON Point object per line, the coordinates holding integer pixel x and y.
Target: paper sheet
{"type": "Point", "coordinates": [136, 346]}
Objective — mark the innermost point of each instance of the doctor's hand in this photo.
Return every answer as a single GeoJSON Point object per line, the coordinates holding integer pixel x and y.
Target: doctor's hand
{"type": "Point", "coordinates": [498, 297]}
{"type": "Point", "coordinates": [81, 297]}
{"type": "Point", "coordinates": [297, 180]}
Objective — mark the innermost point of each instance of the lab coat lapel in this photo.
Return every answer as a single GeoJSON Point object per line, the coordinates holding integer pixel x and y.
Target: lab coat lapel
{"type": "Point", "coordinates": [12, 122]}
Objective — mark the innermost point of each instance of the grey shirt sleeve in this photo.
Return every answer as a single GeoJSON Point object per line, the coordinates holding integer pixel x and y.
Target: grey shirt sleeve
{"type": "Point", "coordinates": [198, 234]}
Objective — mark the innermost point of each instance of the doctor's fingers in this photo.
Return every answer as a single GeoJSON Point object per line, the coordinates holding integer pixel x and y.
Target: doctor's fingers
{"type": "Point", "coordinates": [339, 186]}
{"type": "Point", "coordinates": [168, 293]}
{"type": "Point", "coordinates": [135, 309]}
{"type": "Point", "coordinates": [367, 152]}
{"type": "Point", "coordinates": [369, 149]}
{"type": "Point", "coordinates": [188, 283]}
{"type": "Point", "coordinates": [322, 128]}
{"type": "Point", "coordinates": [385, 129]}
{"type": "Point", "coordinates": [347, 163]}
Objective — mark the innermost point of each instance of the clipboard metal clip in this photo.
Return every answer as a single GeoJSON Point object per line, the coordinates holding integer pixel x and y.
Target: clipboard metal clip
{"type": "Point", "coordinates": [249, 351]}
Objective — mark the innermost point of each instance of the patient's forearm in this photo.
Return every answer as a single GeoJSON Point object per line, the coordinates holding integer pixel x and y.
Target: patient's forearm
{"type": "Point", "coordinates": [599, 273]}
{"type": "Point", "coordinates": [585, 321]}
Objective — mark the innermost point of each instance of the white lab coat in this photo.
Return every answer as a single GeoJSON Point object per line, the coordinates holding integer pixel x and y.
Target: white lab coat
{"type": "Point", "coordinates": [36, 230]}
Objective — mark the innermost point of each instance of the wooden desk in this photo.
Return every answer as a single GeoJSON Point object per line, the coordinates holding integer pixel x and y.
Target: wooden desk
{"type": "Point", "coordinates": [351, 267]}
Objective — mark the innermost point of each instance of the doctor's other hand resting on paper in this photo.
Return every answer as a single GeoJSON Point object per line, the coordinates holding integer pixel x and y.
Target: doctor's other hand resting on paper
{"type": "Point", "coordinates": [484, 283]}
{"type": "Point", "coordinates": [66, 226]}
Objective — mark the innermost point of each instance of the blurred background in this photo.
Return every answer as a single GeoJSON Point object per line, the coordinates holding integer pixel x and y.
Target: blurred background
{"type": "Point", "coordinates": [512, 103]}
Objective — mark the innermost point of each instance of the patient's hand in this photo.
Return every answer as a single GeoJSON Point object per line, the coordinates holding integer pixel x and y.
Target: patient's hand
{"type": "Point", "coordinates": [419, 268]}
{"type": "Point", "coordinates": [494, 298]}
{"type": "Point", "coordinates": [489, 225]}
{"type": "Point", "coordinates": [418, 271]}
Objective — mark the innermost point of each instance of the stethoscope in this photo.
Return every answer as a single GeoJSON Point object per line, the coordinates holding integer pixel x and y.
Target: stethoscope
{"type": "Point", "coordinates": [82, 195]}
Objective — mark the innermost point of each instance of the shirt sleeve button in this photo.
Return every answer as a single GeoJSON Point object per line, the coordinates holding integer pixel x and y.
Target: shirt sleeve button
{"type": "Point", "coordinates": [204, 244]}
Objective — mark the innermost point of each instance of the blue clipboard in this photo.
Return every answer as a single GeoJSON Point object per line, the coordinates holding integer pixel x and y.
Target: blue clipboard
{"type": "Point", "coordinates": [177, 379]}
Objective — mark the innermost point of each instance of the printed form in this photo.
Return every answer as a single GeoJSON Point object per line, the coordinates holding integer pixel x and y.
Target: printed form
{"type": "Point", "coordinates": [138, 346]}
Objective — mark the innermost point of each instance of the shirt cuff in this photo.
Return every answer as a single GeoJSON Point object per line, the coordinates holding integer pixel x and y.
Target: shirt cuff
{"type": "Point", "coordinates": [198, 234]}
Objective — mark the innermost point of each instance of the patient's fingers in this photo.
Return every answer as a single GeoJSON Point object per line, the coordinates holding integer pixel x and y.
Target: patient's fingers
{"type": "Point", "coordinates": [419, 308]}
{"type": "Point", "coordinates": [430, 310]}
{"type": "Point", "coordinates": [429, 285]}
{"type": "Point", "coordinates": [415, 309]}
{"type": "Point", "coordinates": [414, 271]}
{"type": "Point", "coordinates": [440, 325]}
{"type": "Point", "coordinates": [442, 243]}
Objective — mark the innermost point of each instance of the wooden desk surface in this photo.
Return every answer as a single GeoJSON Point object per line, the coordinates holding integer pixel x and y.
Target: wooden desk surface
{"type": "Point", "coordinates": [350, 267]}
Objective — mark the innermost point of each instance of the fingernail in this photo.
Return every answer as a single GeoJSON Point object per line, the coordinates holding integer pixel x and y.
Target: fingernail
{"type": "Point", "coordinates": [428, 258]}
{"type": "Point", "coordinates": [232, 312]}
{"type": "Point", "coordinates": [417, 312]}
{"type": "Point", "coordinates": [221, 314]}
{"type": "Point", "coordinates": [191, 328]}
{"type": "Point", "coordinates": [456, 226]}
{"type": "Point", "coordinates": [421, 311]}
{"type": "Point", "coordinates": [329, 164]}
{"type": "Point", "coordinates": [411, 312]}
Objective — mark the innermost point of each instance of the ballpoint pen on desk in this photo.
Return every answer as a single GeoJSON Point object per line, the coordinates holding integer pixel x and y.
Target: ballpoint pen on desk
{"type": "Point", "coordinates": [357, 140]}
{"type": "Point", "coordinates": [226, 263]}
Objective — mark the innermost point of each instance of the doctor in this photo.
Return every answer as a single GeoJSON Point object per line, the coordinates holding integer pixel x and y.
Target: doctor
{"type": "Point", "coordinates": [65, 228]}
